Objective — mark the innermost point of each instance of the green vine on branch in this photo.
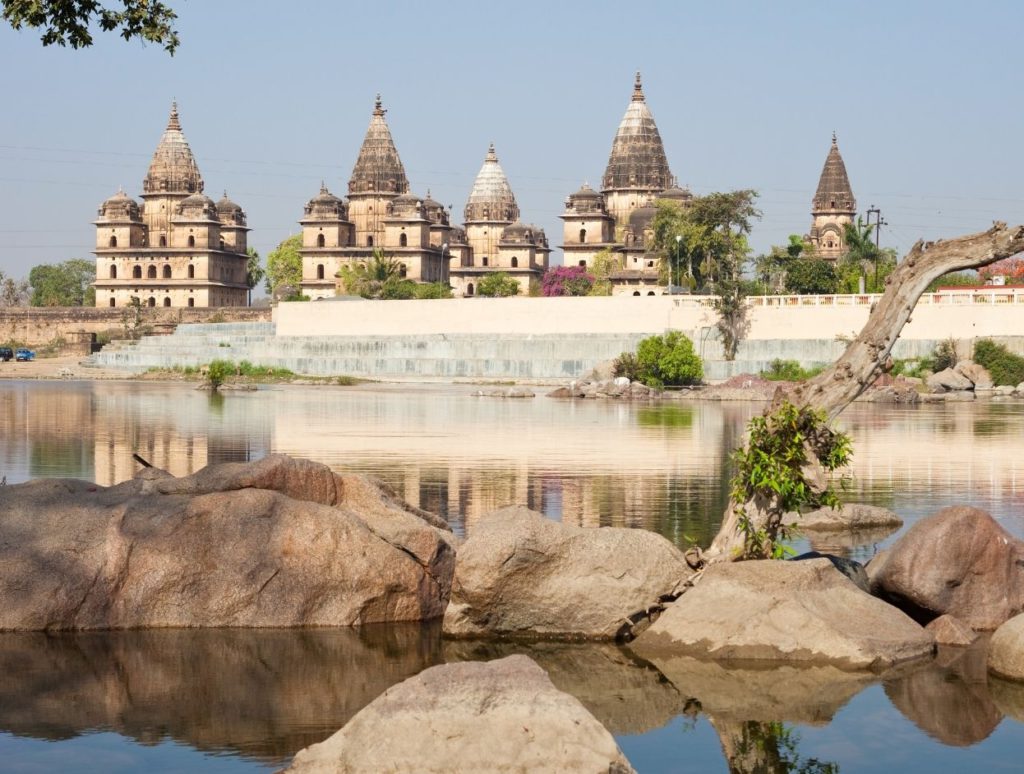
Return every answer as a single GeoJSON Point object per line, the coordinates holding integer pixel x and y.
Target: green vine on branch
{"type": "Point", "coordinates": [775, 471]}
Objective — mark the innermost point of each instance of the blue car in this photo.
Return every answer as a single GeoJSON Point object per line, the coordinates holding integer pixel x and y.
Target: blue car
{"type": "Point", "coordinates": [24, 355]}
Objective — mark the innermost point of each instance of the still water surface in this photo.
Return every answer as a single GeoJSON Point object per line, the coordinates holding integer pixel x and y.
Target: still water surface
{"type": "Point", "coordinates": [248, 700]}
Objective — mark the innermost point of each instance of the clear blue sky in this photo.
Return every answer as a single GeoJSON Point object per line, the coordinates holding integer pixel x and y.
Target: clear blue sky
{"type": "Point", "coordinates": [926, 98]}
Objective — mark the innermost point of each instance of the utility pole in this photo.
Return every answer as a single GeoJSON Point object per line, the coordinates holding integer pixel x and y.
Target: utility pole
{"type": "Point", "coordinates": [879, 222]}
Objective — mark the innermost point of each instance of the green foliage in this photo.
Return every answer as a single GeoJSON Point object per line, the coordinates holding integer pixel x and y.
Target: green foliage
{"type": "Point", "coordinates": [957, 279]}
{"type": "Point", "coordinates": [863, 259]}
{"type": "Point", "coordinates": [1005, 367]}
{"type": "Point", "coordinates": [254, 271]}
{"type": "Point", "coordinates": [433, 290]}
{"type": "Point", "coordinates": [789, 371]}
{"type": "Point", "coordinates": [245, 368]}
{"type": "Point", "coordinates": [668, 360]}
{"type": "Point", "coordinates": [14, 292]}
{"type": "Point", "coordinates": [603, 265]}
{"type": "Point", "coordinates": [807, 276]}
{"type": "Point", "coordinates": [944, 356]}
{"type": "Point", "coordinates": [770, 470]}
{"type": "Point", "coordinates": [627, 365]}
{"type": "Point", "coordinates": [497, 285]}
{"type": "Point", "coordinates": [63, 284]}
{"type": "Point", "coordinates": [67, 22]}
{"type": "Point", "coordinates": [284, 265]}
{"type": "Point", "coordinates": [218, 371]}
{"type": "Point", "coordinates": [380, 277]}
{"type": "Point", "coordinates": [665, 416]}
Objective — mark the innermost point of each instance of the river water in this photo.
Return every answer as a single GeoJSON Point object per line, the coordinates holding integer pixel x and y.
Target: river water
{"type": "Point", "coordinates": [248, 700]}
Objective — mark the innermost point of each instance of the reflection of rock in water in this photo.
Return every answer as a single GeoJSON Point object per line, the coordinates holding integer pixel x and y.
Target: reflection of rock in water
{"type": "Point", "coordinates": [846, 542]}
{"type": "Point", "coordinates": [811, 694]}
{"type": "Point", "coordinates": [262, 693]}
{"type": "Point", "coordinates": [625, 695]}
{"type": "Point", "coordinates": [949, 699]}
{"type": "Point", "coordinates": [1008, 697]}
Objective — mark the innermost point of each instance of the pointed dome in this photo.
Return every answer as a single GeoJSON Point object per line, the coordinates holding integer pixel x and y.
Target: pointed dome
{"type": "Point", "coordinates": [173, 168]}
{"type": "Point", "coordinates": [378, 167]}
{"type": "Point", "coordinates": [637, 160]}
{"type": "Point", "coordinates": [491, 197]}
{"type": "Point", "coordinates": [834, 193]}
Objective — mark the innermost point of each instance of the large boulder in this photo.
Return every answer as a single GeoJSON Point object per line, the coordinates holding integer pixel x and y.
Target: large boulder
{"type": "Point", "coordinates": [500, 716]}
{"type": "Point", "coordinates": [796, 612]}
{"type": "Point", "coordinates": [949, 380]}
{"type": "Point", "coordinates": [280, 542]}
{"type": "Point", "coordinates": [977, 373]}
{"type": "Point", "coordinates": [959, 561]}
{"type": "Point", "coordinates": [1006, 650]}
{"type": "Point", "coordinates": [849, 516]}
{"type": "Point", "coordinates": [521, 574]}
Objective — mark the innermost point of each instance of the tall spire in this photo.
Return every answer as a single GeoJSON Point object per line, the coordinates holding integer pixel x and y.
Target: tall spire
{"type": "Point", "coordinates": [378, 168]}
{"type": "Point", "coordinates": [491, 197]}
{"type": "Point", "coordinates": [173, 168]}
{"type": "Point", "coordinates": [834, 193]}
{"type": "Point", "coordinates": [637, 160]}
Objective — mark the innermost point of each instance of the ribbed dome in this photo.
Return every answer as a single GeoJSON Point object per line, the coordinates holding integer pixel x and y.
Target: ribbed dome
{"type": "Point", "coordinates": [675, 194]}
{"type": "Point", "coordinates": [197, 207]}
{"type": "Point", "coordinates": [491, 198]}
{"type": "Point", "coordinates": [378, 167]}
{"type": "Point", "coordinates": [585, 200]}
{"type": "Point", "coordinates": [517, 232]}
{"type": "Point", "coordinates": [834, 193]}
{"type": "Point", "coordinates": [585, 192]}
{"type": "Point", "coordinates": [120, 207]}
{"type": "Point", "coordinates": [326, 205]}
{"type": "Point", "coordinates": [407, 205]}
{"type": "Point", "coordinates": [228, 212]}
{"type": "Point", "coordinates": [173, 168]}
{"type": "Point", "coordinates": [637, 160]}
{"type": "Point", "coordinates": [434, 210]}
{"type": "Point", "coordinates": [641, 218]}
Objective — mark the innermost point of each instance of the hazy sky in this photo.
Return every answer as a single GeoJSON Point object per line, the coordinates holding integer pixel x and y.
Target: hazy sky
{"type": "Point", "coordinates": [926, 98]}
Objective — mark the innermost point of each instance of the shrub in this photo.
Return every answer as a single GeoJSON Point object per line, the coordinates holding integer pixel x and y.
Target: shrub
{"type": "Point", "coordinates": [627, 365]}
{"type": "Point", "coordinates": [567, 281]}
{"type": "Point", "coordinates": [498, 284]}
{"type": "Point", "coordinates": [433, 290]}
{"type": "Point", "coordinates": [789, 371]}
{"type": "Point", "coordinates": [1005, 367]}
{"type": "Point", "coordinates": [668, 360]}
{"type": "Point", "coordinates": [218, 371]}
{"type": "Point", "coordinates": [945, 355]}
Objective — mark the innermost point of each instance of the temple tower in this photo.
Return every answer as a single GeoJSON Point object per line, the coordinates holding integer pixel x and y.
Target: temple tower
{"type": "Point", "coordinates": [490, 208]}
{"type": "Point", "coordinates": [377, 179]}
{"type": "Point", "coordinates": [833, 206]}
{"type": "Point", "coordinates": [637, 167]}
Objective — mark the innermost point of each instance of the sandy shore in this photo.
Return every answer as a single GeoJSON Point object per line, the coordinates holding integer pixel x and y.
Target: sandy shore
{"type": "Point", "coordinates": [63, 367]}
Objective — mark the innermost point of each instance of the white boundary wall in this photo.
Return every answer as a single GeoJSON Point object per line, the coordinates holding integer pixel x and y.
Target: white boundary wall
{"type": "Point", "coordinates": [937, 316]}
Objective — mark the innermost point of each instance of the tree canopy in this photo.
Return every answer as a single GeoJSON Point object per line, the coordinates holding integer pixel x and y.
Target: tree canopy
{"type": "Point", "coordinates": [497, 285]}
{"type": "Point", "coordinates": [379, 277]}
{"type": "Point", "coordinates": [69, 22]}
{"type": "Point", "coordinates": [284, 265]}
{"type": "Point", "coordinates": [13, 292]}
{"type": "Point", "coordinates": [63, 284]}
{"type": "Point", "coordinates": [567, 281]}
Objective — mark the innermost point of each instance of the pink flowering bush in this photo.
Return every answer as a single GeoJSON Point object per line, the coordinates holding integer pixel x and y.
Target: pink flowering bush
{"type": "Point", "coordinates": [567, 281]}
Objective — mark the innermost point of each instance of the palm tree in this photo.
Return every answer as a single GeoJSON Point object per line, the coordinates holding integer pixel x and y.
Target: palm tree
{"type": "Point", "coordinates": [380, 277]}
{"type": "Point", "coordinates": [860, 249]}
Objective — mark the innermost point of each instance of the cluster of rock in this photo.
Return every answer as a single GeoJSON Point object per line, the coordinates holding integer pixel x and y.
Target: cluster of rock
{"type": "Point", "coordinates": [968, 380]}
{"type": "Point", "coordinates": [285, 542]}
{"type": "Point", "coordinates": [505, 392]}
{"type": "Point", "coordinates": [615, 387]}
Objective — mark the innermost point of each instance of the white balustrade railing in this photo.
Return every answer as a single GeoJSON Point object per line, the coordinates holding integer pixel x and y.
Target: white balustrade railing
{"type": "Point", "coordinates": [994, 296]}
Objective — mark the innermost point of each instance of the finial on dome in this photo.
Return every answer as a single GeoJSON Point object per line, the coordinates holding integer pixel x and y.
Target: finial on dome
{"type": "Point", "coordinates": [834, 143]}
{"type": "Point", "coordinates": [173, 122]}
{"type": "Point", "coordinates": [323, 187]}
{"type": "Point", "coordinates": [378, 109]}
{"type": "Point", "coordinates": [491, 155]}
{"type": "Point", "coordinates": [638, 89]}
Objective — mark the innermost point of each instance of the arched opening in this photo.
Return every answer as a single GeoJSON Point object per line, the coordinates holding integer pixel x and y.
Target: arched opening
{"type": "Point", "coordinates": [515, 262]}
{"type": "Point", "coordinates": [113, 302]}
{"type": "Point", "coordinates": [191, 241]}
{"type": "Point", "coordinates": [403, 240]}
{"type": "Point", "coordinates": [136, 272]}
{"type": "Point", "coordinates": [485, 260]}
{"type": "Point", "coordinates": [191, 271]}
{"type": "Point", "coordinates": [636, 292]}
{"type": "Point", "coordinates": [369, 241]}
{"type": "Point", "coordinates": [113, 272]}
{"type": "Point", "coordinates": [151, 301]}
{"type": "Point", "coordinates": [163, 241]}
{"type": "Point", "coordinates": [650, 293]}
{"type": "Point", "coordinates": [222, 244]}
{"type": "Point", "coordinates": [583, 235]}
{"type": "Point", "coordinates": [320, 241]}
{"type": "Point", "coordinates": [167, 271]}
{"type": "Point", "coordinates": [167, 300]}
{"type": "Point", "coordinates": [469, 289]}
{"type": "Point", "coordinates": [583, 263]}
{"type": "Point", "coordinates": [319, 271]}
{"type": "Point", "coordinates": [402, 270]}
{"type": "Point", "coordinates": [113, 241]}
{"type": "Point", "coordinates": [151, 272]}
{"type": "Point", "coordinates": [191, 302]}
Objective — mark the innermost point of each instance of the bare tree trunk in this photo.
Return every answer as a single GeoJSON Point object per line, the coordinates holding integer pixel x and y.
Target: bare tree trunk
{"type": "Point", "coordinates": [867, 356]}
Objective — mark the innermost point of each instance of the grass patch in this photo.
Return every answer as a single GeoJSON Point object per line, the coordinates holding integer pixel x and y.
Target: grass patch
{"type": "Point", "coordinates": [789, 371]}
{"type": "Point", "coordinates": [1005, 367]}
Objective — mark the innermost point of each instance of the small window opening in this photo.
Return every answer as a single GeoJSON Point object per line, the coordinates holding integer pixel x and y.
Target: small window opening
{"type": "Point", "coordinates": [167, 271]}
{"type": "Point", "coordinates": [319, 271]}
{"type": "Point", "coordinates": [191, 241]}
{"type": "Point", "coordinates": [320, 241]}
{"type": "Point", "coordinates": [113, 272]}
{"type": "Point", "coordinates": [151, 272]}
